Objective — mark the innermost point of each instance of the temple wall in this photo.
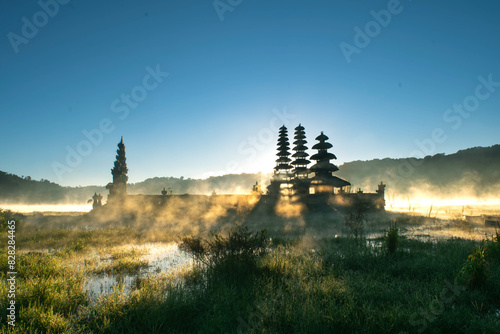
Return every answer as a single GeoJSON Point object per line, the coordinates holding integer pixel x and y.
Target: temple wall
{"type": "Point", "coordinates": [370, 201]}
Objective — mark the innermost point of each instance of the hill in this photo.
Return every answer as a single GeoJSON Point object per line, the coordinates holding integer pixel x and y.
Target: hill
{"type": "Point", "coordinates": [470, 172]}
{"type": "Point", "coordinates": [15, 189]}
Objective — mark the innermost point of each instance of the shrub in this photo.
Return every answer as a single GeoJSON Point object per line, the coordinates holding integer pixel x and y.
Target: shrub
{"type": "Point", "coordinates": [355, 221]}
{"type": "Point", "coordinates": [4, 217]}
{"type": "Point", "coordinates": [392, 239]}
{"type": "Point", "coordinates": [493, 248]}
{"type": "Point", "coordinates": [475, 269]}
{"type": "Point", "coordinates": [239, 245]}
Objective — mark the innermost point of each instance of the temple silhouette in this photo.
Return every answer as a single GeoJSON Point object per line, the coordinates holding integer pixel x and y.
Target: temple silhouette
{"type": "Point", "coordinates": [294, 178]}
{"type": "Point", "coordinates": [316, 187]}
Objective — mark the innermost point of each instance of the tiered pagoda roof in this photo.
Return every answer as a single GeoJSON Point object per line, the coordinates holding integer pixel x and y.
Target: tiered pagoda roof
{"type": "Point", "coordinates": [300, 163]}
{"type": "Point", "coordinates": [283, 161]}
{"type": "Point", "coordinates": [323, 168]}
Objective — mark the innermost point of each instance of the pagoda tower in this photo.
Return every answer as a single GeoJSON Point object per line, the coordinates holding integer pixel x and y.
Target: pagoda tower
{"type": "Point", "coordinates": [118, 187]}
{"type": "Point", "coordinates": [323, 180]}
{"type": "Point", "coordinates": [283, 167]}
{"type": "Point", "coordinates": [300, 171]}
{"type": "Point", "coordinates": [300, 163]}
{"type": "Point", "coordinates": [282, 171]}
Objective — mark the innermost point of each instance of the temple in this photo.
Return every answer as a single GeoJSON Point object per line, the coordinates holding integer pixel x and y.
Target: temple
{"type": "Point", "coordinates": [323, 180]}
{"type": "Point", "coordinates": [300, 171]}
{"type": "Point", "coordinates": [316, 187]}
{"type": "Point", "coordinates": [283, 170]}
{"type": "Point", "coordinates": [96, 201]}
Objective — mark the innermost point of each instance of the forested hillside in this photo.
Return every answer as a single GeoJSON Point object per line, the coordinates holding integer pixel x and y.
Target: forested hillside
{"type": "Point", "coordinates": [473, 172]}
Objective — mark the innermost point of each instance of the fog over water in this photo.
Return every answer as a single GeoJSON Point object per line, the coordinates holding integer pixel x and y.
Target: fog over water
{"type": "Point", "coordinates": [435, 207]}
{"type": "Point", "coordinates": [30, 208]}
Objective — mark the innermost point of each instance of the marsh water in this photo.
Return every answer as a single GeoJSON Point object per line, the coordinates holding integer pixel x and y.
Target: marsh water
{"type": "Point", "coordinates": [163, 258]}
{"type": "Point", "coordinates": [160, 258]}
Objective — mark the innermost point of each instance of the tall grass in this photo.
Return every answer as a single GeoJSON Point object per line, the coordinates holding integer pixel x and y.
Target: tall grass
{"type": "Point", "coordinates": [248, 285]}
{"type": "Point", "coordinates": [48, 293]}
{"type": "Point", "coordinates": [477, 269]}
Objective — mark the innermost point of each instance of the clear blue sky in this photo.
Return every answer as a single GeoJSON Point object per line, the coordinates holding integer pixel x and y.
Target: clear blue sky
{"type": "Point", "coordinates": [228, 79]}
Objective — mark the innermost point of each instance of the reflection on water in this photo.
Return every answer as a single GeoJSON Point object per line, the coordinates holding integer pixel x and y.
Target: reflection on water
{"type": "Point", "coordinates": [161, 258]}
{"type": "Point", "coordinates": [104, 284]}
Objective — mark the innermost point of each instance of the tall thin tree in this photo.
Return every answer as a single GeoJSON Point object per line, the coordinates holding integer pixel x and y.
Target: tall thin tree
{"type": "Point", "coordinates": [119, 172]}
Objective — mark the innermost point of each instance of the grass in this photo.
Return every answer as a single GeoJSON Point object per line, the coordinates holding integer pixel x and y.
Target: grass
{"type": "Point", "coordinates": [327, 285]}
{"type": "Point", "coordinates": [48, 293]}
{"type": "Point", "coordinates": [77, 239]}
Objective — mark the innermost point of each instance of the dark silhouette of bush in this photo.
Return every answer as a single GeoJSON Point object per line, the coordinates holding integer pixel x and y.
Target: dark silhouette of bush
{"type": "Point", "coordinates": [493, 248]}
{"type": "Point", "coordinates": [476, 270]}
{"type": "Point", "coordinates": [392, 239]}
{"type": "Point", "coordinates": [355, 220]}
{"type": "Point", "coordinates": [240, 245]}
{"type": "Point", "coordinates": [229, 260]}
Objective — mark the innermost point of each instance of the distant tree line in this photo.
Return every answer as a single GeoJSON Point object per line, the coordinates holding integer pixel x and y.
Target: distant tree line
{"type": "Point", "coordinates": [475, 170]}
{"type": "Point", "coordinates": [16, 189]}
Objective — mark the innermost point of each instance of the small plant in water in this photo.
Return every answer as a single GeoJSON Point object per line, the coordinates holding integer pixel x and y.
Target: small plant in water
{"type": "Point", "coordinates": [392, 239]}
{"type": "Point", "coordinates": [475, 269]}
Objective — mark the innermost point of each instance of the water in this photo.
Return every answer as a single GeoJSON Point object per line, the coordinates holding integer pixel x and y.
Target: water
{"type": "Point", "coordinates": [161, 258]}
{"type": "Point", "coordinates": [96, 286]}
{"type": "Point", "coordinates": [55, 208]}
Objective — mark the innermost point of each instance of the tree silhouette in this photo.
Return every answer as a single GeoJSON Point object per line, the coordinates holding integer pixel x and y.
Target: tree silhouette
{"type": "Point", "coordinates": [119, 172]}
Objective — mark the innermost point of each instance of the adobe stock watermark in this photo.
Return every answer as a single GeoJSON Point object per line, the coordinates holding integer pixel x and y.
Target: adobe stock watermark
{"type": "Point", "coordinates": [371, 30]}
{"type": "Point", "coordinates": [254, 144]}
{"type": "Point", "coordinates": [223, 6]}
{"type": "Point", "coordinates": [11, 273]}
{"type": "Point", "coordinates": [120, 106]}
{"type": "Point", "coordinates": [436, 307]}
{"type": "Point", "coordinates": [453, 116]}
{"type": "Point", "coordinates": [258, 143]}
{"type": "Point", "coordinates": [30, 27]}
{"type": "Point", "coordinates": [253, 322]}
